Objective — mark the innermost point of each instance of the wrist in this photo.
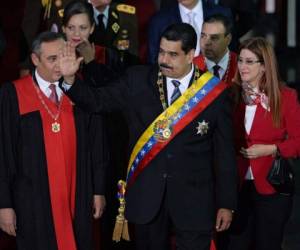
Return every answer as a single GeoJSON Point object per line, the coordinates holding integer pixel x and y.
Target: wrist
{"type": "Point", "coordinates": [69, 80]}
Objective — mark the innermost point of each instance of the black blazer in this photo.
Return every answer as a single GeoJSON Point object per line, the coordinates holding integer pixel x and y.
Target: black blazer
{"type": "Point", "coordinates": [165, 17]}
{"type": "Point", "coordinates": [184, 172]}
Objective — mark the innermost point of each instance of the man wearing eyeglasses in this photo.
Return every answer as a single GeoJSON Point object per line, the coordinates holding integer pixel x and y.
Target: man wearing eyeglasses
{"type": "Point", "coordinates": [214, 41]}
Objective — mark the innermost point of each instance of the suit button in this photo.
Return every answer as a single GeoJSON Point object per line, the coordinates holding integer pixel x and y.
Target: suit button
{"type": "Point", "coordinates": [165, 176]}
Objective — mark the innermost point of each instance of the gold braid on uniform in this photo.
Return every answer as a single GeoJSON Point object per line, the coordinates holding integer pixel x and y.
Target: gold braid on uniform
{"type": "Point", "coordinates": [47, 6]}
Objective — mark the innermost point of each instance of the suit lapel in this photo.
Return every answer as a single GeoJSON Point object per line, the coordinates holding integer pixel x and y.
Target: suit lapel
{"type": "Point", "coordinates": [192, 78]}
{"type": "Point", "coordinates": [176, 14]}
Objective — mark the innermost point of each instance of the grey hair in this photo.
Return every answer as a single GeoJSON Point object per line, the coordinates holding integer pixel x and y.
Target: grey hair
{"type": "Point", "coordinates": [44, 37]}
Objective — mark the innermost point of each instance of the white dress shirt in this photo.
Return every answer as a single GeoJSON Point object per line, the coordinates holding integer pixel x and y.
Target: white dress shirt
{"type": "Point", "coordinates": [184, 84]}
{"type": "Point", "coordinates": [249, 117]}
{"type": "Point", "coordinates": [44, 86]}
{"type": "Point", "coordinates": [105, 15]}
{"type": "Point", "coordinates": [198, 20]}
{"type": "Point", "coordinates": [223, 63]}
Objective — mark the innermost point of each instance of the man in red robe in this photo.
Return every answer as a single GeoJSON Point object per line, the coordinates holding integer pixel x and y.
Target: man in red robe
{"type": "Point", "coordinates": [51, 159]}
{"type": "Point", "coordinates": [214, 41]}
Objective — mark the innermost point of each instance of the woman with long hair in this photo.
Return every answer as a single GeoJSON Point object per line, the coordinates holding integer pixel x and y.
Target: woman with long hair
{"type": "Point", "coordinates": [267, 123]}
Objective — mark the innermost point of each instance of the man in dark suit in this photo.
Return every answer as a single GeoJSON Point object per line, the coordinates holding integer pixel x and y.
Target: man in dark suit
{"type": "Point", "coordinates": [186, 11]}
{"type": "Point", "coordinates": [215, 55]}
{"type": "Point", "coordinates": [179, 159]}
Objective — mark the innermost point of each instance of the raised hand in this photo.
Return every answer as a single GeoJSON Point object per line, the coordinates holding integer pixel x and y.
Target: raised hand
{"type": "Point", "coordinates": [68, 62]}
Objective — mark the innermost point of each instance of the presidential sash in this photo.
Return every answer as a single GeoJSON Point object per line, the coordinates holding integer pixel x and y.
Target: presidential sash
{"type": "Point", "coordinates": [169, 123]}
{"type": "Point", "coordinates": [203, 91]}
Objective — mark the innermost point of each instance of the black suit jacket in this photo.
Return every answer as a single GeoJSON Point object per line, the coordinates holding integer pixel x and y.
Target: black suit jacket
{"type": "Point", "coordinates": [165, 17]}
{"type": "Point", "coordinates": [184, 172]}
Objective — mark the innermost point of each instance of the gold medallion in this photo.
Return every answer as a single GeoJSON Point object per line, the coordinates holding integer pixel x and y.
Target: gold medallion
{"type": "Point", "coordinates": [55, 127]}
{"type": "Point", "coordinates": [167, 133]}
{"type": "Point", "coordinates": [162, 130]}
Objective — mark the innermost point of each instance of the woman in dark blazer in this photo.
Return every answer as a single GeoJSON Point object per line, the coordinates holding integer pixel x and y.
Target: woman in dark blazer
{"type": "Point", "coordinates": [267, 122]}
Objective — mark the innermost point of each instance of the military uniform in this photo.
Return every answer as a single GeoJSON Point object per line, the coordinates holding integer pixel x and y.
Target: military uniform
{"type": "Point", "coordinates": [121, 31]}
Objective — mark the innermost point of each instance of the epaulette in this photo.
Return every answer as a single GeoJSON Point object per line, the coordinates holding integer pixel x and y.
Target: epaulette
{"type": "Point", "coordinates": [45, 2]}
{"type": "Point", "coordinates": [61, 13]}
{"type": "Point", "coordinates": [129, 9]}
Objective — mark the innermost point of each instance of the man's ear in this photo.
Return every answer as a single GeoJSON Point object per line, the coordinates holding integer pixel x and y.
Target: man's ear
{"type": "Point", "coordinates": [35, 59]}
{"type": "Point", "coordinates": [229, 38]}
{"type": "Point", "coordinates": [191, 55]}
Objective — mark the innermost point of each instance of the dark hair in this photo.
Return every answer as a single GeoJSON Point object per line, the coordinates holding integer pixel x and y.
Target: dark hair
{"type": "Point", "coordinates": [181, 32]}
{"type": "Point", "coordinates": [44, 37]}
{"type": "Point", "coordinates": [225, 20]}
{"type": "Point", "coordinates": [78, 7]}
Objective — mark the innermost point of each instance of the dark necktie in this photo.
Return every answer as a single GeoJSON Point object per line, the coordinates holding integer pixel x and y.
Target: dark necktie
{"type": "Point", "coordinates": [216, 70]}
{"type": "Point", "coordinates": [176, 93]}
{"type": "Point", "coordinates": [101, 23]}
{"type": "Point", "coordinates": [53, 96]}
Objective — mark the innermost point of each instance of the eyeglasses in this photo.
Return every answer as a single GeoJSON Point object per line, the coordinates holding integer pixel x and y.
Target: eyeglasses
{"type": "Point", "coordinates": [248, 62]}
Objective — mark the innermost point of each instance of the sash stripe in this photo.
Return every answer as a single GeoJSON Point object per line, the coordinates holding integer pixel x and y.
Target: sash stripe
{"type": "Point", "coordinates": [199, 96]}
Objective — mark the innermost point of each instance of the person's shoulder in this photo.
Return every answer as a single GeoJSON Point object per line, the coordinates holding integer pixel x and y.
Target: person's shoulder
{"type": "Point", "coordinates": [289, 95]}
{"type": "Point", "coordinates": [8, 90]}
{"type": "Point", "coordinates": [200, 62]}
{"type": "Point", "coordinates": [213, 9]}
{"type": "Point", "coordinates": [165, 13]}
{"type": "Point", "coordinates": [137, 70]}
{"type": "Point", "coordinates": [287, 92]}
{"type": "Point", "coordinates": [6, 85]}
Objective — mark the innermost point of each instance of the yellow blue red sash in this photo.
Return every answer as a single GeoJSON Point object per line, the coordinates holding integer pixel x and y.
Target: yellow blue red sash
{"type": "Point", "coordinates": [170, 122]}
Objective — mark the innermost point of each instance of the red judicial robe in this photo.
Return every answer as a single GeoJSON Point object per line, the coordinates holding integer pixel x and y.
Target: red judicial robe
{"type": "Point", "coordinates": [231, 68]}
{"type": "Point", "coordinates": [49, 178]}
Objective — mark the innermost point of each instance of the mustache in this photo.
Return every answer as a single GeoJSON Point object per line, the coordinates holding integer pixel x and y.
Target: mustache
{"type": "Point", "coordinates": [166, 66]}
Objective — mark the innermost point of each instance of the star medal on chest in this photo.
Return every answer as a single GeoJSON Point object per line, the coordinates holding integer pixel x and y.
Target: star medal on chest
{"type": "Point", "coordinates": [202, 128]}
